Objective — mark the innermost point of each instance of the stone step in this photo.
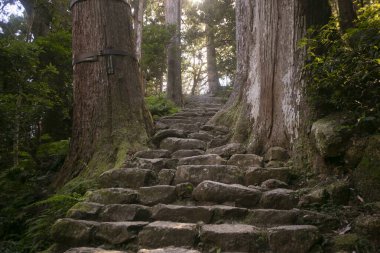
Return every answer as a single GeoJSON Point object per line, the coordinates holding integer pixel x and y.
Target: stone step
{"type": "Point", "coordinates": [187, 153]}
{"type": "Point", "coordinates": [174, 144]}
{"type": "Point", "coordinates": [196, 174]}
{"type": "Point", "coordinates": [168, 250]}
{"type": "Point", "coordinates": [216, 192]}
{"type": "Point", "coordinates": [166, 133]}
{"type": "Point", "coordinates": [72, 232]}
{"type": "Point", "coordinates": [155, 165]}
{"type": "Point", "coordinates": [203, 136]}
{"type": "Point", "coordinates": [189, 127]}
{"type": "Point", "coordinates": [257, 175]}
{"type": "Point", "coordinates": [128, 178]}
{"type": "Point", "coordinates": [153, 195]}
{"type": "Point", "coordinates": [153, 154]}
{"type": "Point", "coordinates": [227, 150]}
{"type": "Point", "coordinates": [283, 199]}
{"type": "Point", "coordinates": [170, 122]}
{"type": "Point", "coordinates": [246, 160]}
{"type": "Point", "coordinates": [92, 250]}
{"type": "Point", "coordinates": [165, 234]}
{"type": "Point", "coordinates": [210, 159]}
{"type": "Point", "coordinates": [112, 196]}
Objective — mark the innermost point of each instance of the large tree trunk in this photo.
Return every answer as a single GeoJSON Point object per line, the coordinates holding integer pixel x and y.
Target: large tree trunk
{"type": "Point", "coordinates": [138, 21]}
{"type": "Point", "coordinates": [109, 118]}
{"type": "Point", "coordinates": [268, 107]}
{"type": "Point", "coordinates": [174, 81]}
{"type": "Point", "coordinates": [212, 70]}
{"type": "Point", "coordinates": [347, 14]}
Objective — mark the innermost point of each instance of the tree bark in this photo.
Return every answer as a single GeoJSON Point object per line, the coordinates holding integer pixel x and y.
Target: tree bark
{"type": "Point", "coordinates": [174, 81]}
{"type": "Point", "coordinates": [212, 69]}
{"type": "Point", "coordinates": [109, 117]}
{"type": "Point", "coordinates": [138, 21]}
{"type": "Point", "coordinates": [347, 14]}
{"type": "Point", "coordinates": [268, 107]}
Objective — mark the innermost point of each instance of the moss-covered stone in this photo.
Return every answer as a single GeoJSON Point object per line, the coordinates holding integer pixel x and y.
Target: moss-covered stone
{"type": "Point", "coordinates": [367, 174]}
{"type": "Point", "coordinates": [346, 242]}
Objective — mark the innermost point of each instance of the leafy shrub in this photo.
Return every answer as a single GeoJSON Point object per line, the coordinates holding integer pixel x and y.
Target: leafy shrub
{"type": "Point", "coordinates": [160, 106]}
{"type": "Point", "coordinates": [344, 68]}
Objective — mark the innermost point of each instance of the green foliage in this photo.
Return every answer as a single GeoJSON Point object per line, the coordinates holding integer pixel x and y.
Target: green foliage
{"type": "Point", "coordinates": [160, 106]}
{"type": "Point", "coordinates": [344, 69]}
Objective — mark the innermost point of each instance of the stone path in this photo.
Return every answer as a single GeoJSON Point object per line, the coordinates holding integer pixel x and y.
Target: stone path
{"type": "Point", "coordinates": [193, 193]}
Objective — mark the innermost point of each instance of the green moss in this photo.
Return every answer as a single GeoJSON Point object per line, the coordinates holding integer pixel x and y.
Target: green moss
{"type": "Point", "coordinates": [351, 242]}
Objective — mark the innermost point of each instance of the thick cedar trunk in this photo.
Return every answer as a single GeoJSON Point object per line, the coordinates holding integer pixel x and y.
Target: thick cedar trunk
{"type": "Point", "coordinates": [268, 106]}
{"type": "Point", "coordinates": [109, 115]}
{"type": "Point", "coordinates": [138, 23]}
{"type": "Point", "coordinates": [347, 14]}
{"type": "Point", "coordinates": [212, 70]}
{"type": "Point", "coordinates": [174, 81]}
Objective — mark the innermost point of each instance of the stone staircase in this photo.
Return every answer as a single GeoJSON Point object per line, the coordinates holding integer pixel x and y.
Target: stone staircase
{"type": "Point", "coordinates": [194, 192]}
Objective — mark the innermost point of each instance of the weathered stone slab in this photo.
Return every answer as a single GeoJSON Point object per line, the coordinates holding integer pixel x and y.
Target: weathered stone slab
{"type": "Point", "coordinates": [255, 176]}
{"type": "Point", "coordinates": [276, 154]}
{"type": "Point", "coordinates": [73, 232]}
{"type": "Point", "coordinates": [166, 177]}
{"type": "Point", "coordinates": [118, 232]}
{"type": "Point", "coordinates": [214, 128]}
{"type": "Point", "coordinates": [220, 193]}
{"type": "Point", "coordinates": [184, 190]}
{"type": "Point", "coordinates": [279, 199]}
{"type": "Point", "coordinates": [228, 150]}
{"type": "Point", "coordinates": [127, 178]}
{"type": "Point", "coordinates": [162, 134]}
{"type": "Point", "coordinates": [188, 214]}
{"type": "Point", "coordinates": [223, 213]}
{"type": "Point", "coordinates": [187, 153]}
{"type": "Point", "coordinates": [174, 144]}
{"type": "Point", "coordinates": [210, 159]}
{"type": "Point", "coordinates": [246, 160]}
{"type": "Point", "coordinates": [84, 210]}
{"type": "Point", "coordinates": [196, 174]}
{"type": "Point", "coordinates": [232, 237]}
{"type": "Point", "coordinates": [164, 194]}
{"type": "Point", "coordinates": [273, 184]}
{"type": "Point", "coordinates": [153, 154]}
{"type": "Point", "coordinates": [203, 136]}
{"type": "Point", "coordinates": [168, 250]}
{"type": "Point", "coordinates": [290, 239]}
{"type": "Point", "coordinates": [164, 234]}
{"type": "Point", "coordinates": [272, 217]}
{"type": "Point", "coordinates": [92, 250]}
{"type": "Point", "coordinates": [112, 196]}
{"type": "Point", "coordinates": [129, 212]}
{"type": "Point", "coordinates": [188, 127]}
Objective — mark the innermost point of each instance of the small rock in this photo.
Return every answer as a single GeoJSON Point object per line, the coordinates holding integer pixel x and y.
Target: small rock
{"type": "Point", "coordinates": [153, 154]}
{"type": "Point", "coordinates": [228, 150]}
{"type": "Point", "coordinates": [246, 160]}
{"type": "Point", "coordinates": [210, 159]}
{"type": "Point", "coordinates": [129, 212]}
{"type": "Point", "coordinates": [279, 199]}
{"type": "Point", "coordinates": [127, 178]}
{"type": "Point", "coordinates": [220, 193]}
{"type": "Point", "coordinates": [317, 196]}
{"type": "Point", "coordinates": [273, 184]}
{"type": "Point", "coordinates": [218, 141]}
{"type": "Point", "coordinates": [112, 196]}
{"type": "Point", "coordinates": [276, 154]}
{"type": "Point", "coordinates": [157, 194]}
{"type": "Point", "coordinates": [166, 177]}
{"type": "Point", "coordinates": [174, 144]}
{"type": "Point", "coordinates": [187, 153]}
